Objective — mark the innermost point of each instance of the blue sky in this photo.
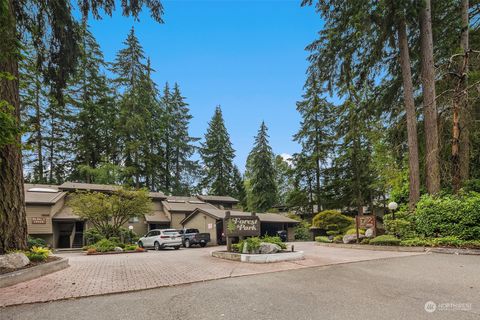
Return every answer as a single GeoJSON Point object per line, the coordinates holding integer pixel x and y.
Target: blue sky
{"type": "Point", "coordinates": [247, 56]}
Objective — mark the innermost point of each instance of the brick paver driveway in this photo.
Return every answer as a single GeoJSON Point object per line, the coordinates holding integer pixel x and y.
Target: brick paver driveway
{"type": "Point", "coordinates": [103, 274]}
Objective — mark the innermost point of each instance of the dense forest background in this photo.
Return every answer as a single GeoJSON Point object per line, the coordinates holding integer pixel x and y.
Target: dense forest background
{"type": "Point", "coordinates": [111, 123]}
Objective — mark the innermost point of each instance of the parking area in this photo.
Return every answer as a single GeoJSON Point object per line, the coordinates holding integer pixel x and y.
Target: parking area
{"type": "Point", "coordinates": [104, 274]}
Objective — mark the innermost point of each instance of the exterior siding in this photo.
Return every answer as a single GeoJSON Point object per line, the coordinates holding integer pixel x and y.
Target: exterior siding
{"type": "Point", "coordinates": [176, 219]}
{"type": "Point", "coordinates": [39, 211]}
{"type": "Point", "coordinates": [201, 222]}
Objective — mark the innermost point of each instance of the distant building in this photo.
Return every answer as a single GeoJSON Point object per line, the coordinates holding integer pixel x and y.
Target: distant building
{"type": "Point", "coordinates": [49, 217]}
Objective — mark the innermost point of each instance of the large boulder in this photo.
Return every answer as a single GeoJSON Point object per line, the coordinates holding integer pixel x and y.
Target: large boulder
{"type": "Point", "coordinates": [267, 248]}
{"type": "Point", "coordinates": [14, 260]}
{"type": "Point", "coordinates": [118, 249]}
{"type": "Point", "coordinates": [369, 233]}
{"type": "Point", "coordinates": [349, 238]}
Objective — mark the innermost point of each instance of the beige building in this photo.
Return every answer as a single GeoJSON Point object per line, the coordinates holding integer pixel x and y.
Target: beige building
{"type": "Point", "coordinates": [49, 217]}
{"type": "Point", "coordinates": [210, 220]}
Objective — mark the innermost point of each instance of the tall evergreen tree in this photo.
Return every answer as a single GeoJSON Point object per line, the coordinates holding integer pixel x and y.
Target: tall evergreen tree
{"type": "Point", "coordinates": [315, 130]}
{"type": "Point", "coordinates": [34, 96]}
{"type": "Point", "coordinates": [94, 108]}
{"type": "Point", "coordinates": [238, 188]}
{"type": "Point", "coordinates": [130, 69]}
{"type": "Point", "coordinates": [217, 156]}
{"type": "Point", "coordinates": [183, 144]}
{"type": "Point", "coordinates": [53, 23]}
{"type": "Point", "coordinates": [262, 172]}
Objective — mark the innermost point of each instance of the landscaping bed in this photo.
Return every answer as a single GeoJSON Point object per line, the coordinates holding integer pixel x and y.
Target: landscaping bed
{"type": "Point", "coordinates": [259, 257]}
{"type": "Point", "coordinates": [30, 265]}
{"type": "Point", "coordinates": [11, 276]}
{"type": "Point", "coordinates": [113, 252]}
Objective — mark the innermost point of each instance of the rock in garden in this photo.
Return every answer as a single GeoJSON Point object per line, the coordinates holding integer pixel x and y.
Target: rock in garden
{"type": "Point", "coordinates": [369, 233]}
{"type": "Point", "coordinates": [349, 238]}
{"type": "Point", "coordinates": [267, 248]}
{"type": "Point", "coordinates": [14, 260]}
{"type": "Point", "coordinates": [118, 249]}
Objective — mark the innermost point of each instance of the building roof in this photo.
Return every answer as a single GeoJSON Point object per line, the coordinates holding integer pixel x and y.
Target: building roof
{"type": "Point", "coordinates": [221, 199]}
{"type": "Point", "coordinates": [156, 217]}
{"type": "Point", "coordinates": [185, 204]}
{"type": "Point", "coordinates": [66, 214]}
{"type": "Point", "coordinates": [220, 214]}
{"type": "Point", "coordinates": [72, 186]}
{"type": "Point", "coordinates": [42, 194]}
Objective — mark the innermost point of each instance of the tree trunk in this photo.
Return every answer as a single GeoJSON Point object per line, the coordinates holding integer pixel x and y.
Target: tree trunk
{"type": "Point", "coordinates": [413, 164]}
{"type": "Point", "coordinates": [317, 166]}
{"type": "Point", "coordinates": [13, 223]}
{"type": "Point", "coordinates": [464, 116]}
{"type": "Point", "coordinates": [432, 165]}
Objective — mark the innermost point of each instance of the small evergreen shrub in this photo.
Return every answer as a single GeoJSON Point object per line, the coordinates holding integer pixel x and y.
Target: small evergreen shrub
{"type": "Point", "coordinates": [338, 239]}
{"type": "Point", "coordinates": [385, 240]}
{"type": "Point", "coordinates": [92, 236]}
{"type": "Point", "coordinates": [104, 245]}
{"type": "Point", "coordinates": [416, 242]}
{"type": "Point", "coordinates": [354, 231]}
{"type": "Point", "coordinates": [36, 242]}
{"type": "Point", "coordinates": [333, 222]}
{"type": "Point", "coordinates": [323, 239]}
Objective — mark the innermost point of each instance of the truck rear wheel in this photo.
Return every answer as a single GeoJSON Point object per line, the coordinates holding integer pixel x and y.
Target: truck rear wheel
{"type": "Point", "coordinates": [203, 245]}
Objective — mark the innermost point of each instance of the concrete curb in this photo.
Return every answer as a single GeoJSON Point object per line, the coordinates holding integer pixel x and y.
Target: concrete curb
{"type": "Point", "coordinates": [259, 258]}
{"type": "Point", "coordinates": [372, 247]}
{"type": "Point", "coordinates": [9, 279]}
{"type": "Point", "coordinates": [402, 249]}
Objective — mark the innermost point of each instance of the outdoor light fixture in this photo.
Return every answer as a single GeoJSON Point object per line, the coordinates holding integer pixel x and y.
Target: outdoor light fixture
{"type": "Point", "coordinates": [393, 206]}
{"type": "Point", "coordinates": [130, 228]}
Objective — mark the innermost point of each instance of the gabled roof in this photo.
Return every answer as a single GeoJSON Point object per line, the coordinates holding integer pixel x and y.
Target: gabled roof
{"type": "Point", "coordinates": [72, 186]}
{"type": "Point", "coordinates": [220, 199]}
{"type": "Point", "coordinates": [156, 217]}
{"type": "Point", "coordinates": [42, 194]}
{"type": "Point", "coordinates": [219, 214]}
{"type": "Point", "coordinates": [66, 214]}
{"type": "Point", "coordinates": [185, 204]}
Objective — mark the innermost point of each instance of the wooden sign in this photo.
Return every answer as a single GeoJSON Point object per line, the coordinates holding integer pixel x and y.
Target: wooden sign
{"type": "Point", "coordinates": [241, 226]}
{"type": "Point", "coordinates": [366, 222]}
{"type": "Point", "coordinates": [39, 220]}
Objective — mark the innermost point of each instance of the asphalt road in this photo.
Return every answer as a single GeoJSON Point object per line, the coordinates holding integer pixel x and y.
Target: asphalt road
{"type": "Point", "coordinates": [395, 288]}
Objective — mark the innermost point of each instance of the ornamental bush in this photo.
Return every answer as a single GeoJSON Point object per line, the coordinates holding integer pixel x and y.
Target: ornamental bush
{"type": "Point", "coordinates": [38, 254]}
{"type": "Point", "coordinates": [36, 242]}
{"type": "Point", "coordinates": [104, 245]}
{"type": "Point", "coordinates": [354, 231]}
{"type": "Point", "coordinates": [385, 240]}
{"type": "Point", "coordinates": [449, 215]}
{"type": "Point", "coordinates": [333, 222]}
{"type": "Point", "coordinates": [323, 239]}
{"type": "Point", "coordinates": [403, 226]}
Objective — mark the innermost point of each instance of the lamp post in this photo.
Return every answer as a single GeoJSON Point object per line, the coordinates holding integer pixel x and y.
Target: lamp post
{"type": "Point", "coordinates": [393, 206]}
{"type": "Point", "coordinates": [130, 229]}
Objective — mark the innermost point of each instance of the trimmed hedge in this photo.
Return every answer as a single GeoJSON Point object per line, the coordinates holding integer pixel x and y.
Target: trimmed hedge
{"type": "Point", "coordinates": [449, 215]}
{"type": "Point", "coordinates": [385, 240]}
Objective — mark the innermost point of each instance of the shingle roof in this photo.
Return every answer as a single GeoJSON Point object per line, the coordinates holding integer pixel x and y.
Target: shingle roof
{"type": "Point", "coordinates": [66, 214]}
{"type": "Point", "coordinates": [42, 194]}
{"type": "Point", "coordinates": [72, 186]}
{"type": "Point", "coordinates": [185, 204]}
{"type": "Point", "coordinates": [157, 216]}
{"type": "Point", "coordinates": [263, 217]}
{"type": "Point", "coordinates": [224, 199]}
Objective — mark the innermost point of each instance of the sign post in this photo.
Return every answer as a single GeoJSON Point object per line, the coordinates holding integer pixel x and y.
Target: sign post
{"type": "Point", "coordinates": [365, 222]}
{"type": "Point", "coordinates": [240, 226]}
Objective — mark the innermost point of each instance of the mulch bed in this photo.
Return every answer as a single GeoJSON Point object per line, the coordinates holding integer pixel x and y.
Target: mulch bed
{"type": "Point", "coordinates": [113, 252]}
{"type": "Point", "coordinates": [31, 264]}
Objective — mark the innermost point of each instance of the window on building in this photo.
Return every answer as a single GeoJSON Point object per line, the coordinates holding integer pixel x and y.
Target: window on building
{"type": "Point", "coordinates": [133, 220]}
